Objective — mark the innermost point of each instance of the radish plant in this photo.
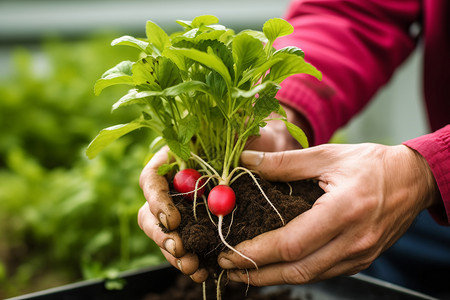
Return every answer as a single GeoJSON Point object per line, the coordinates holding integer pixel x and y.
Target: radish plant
{"type": "Point", "coordinates": [204, 91]}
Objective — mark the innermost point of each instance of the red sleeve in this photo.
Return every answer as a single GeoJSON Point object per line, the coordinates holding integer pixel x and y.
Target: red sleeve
{"type": "Point", "coordinates": [435, 148]}
{"type": "Point", "coordinates": [356, 45]}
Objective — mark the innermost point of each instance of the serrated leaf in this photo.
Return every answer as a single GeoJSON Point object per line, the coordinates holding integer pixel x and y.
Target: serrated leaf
{"type": "Point", "coordinates": [109, 135]}
{"type": "Point", "coordinates": [144, 73]}
{"type": "Point", "coordinates": [157, 37]}
{"type": "Point", "coordinates": [275, 28]}
{"type": "Point", "coordinates": [128, 40]}
{"type": "Point", "coordinates": [188, 127]}
{"type": "Point", "coordinates": [166, 72]}
{"type": "Point", "coordinates": [264, 106]}
{"type": "Point", "coordinates": [297, 133]}
{"type": "Point", "coordinates": [181, 150]}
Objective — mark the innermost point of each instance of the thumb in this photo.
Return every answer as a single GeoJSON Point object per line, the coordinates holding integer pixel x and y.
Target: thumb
{"type": "Point", "coordinates": [282, 166]}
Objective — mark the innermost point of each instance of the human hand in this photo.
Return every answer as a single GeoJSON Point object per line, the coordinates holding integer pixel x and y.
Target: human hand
{"type": "Point", "coordinates": [372, 195]}
{"type": "Point", "coordinates": [159, 210]}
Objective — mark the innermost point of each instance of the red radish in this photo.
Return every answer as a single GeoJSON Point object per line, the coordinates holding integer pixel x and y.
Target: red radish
{"type": "Point", "coordinates": [185, 182]}
{"type": "Point", "coordinates": [221, 200]}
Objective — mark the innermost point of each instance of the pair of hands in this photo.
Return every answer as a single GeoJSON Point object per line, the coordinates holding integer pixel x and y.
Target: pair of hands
{"type": "Point", "coordinates": [372, 195]}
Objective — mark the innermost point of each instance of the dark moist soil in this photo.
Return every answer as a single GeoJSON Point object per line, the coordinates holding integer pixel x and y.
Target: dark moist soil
{"type": "Point", "coordinates": [253, 215]}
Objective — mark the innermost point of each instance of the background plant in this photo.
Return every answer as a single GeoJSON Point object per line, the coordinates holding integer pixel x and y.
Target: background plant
{"type": "Point", "coordinates": [62, 217]}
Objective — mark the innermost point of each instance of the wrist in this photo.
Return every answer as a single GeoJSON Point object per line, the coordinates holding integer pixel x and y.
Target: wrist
{"type": "Point", "coordinates": [427, 182]}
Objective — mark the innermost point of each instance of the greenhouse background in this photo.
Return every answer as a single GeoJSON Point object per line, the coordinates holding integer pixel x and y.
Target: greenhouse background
{"type": "Point", "coordinates": [64, 218]}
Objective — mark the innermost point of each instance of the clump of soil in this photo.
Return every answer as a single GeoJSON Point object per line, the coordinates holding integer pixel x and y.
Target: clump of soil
{"type": "Point", "coordinates": [253, 215]}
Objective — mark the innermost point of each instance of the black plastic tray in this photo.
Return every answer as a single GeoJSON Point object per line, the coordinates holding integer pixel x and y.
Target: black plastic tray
{"type": "Point", "coordinates": [158, 279]}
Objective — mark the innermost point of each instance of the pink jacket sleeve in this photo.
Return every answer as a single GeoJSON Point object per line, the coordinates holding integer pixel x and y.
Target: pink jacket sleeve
{"type": "Point", "coordinates": [357, 45]}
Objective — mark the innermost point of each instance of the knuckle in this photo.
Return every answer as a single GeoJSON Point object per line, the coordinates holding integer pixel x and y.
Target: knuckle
{"type": "Point", "coordinates": [365, 245]}
{"type": "Point", "coordinates": [290, 249]}
{"type": "Point", "coordinates": [296, 274]}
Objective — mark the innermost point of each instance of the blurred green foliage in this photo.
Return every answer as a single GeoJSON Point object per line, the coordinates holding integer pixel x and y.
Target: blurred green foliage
{"type": "Point", "coordinates": [63, 217]}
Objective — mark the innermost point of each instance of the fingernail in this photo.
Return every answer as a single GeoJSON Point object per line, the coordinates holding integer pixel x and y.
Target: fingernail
{"type": "Point", "coordinates": [233, 276]}
{"type": "Point", "coordinates": [169, 245]}
{"type": "Point", "coordinates": [163, 219]}
{"type": "Point", "coordinates": [226, 263]}
{"type": "Point", "coordinates": [252, 158]}
{"type": "Point", "coordinates": [180, 267]}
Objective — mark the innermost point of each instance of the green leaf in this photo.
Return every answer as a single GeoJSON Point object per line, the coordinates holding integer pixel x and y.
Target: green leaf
{"type": "Point", "coordinates": [188, 127]}
{"type": "Point", "coordinates": [119, 74]}
{"type": "Point", "coordinates": [176, 58]}
{"type": "Point", "coordinates": [184, 87]}
{"type": "Point", "coordinates": [204, 20]}
{"type": "Point", "coordinates": [185, 24]}
{"type": "Point", "coordinates": [253, 74]}
{"type": "Point", "coordinates": [266, 103]}
{"type": "Point", "coordinates": [255, 90]}
{"type": "Point", "coordinates": [275, 28]}
{"type": "Point", "coordinates": [265, 106]}
{"type": "Point", "coordinates": [144, 73]}
{"type": "Point", "coordinates": [135, 97]}
{"type": "Point", "coordinates": [247, 51]}
{"type": "Point", "coordinates": [157, 37]}
{"type": "Point", "coordinates": [297, 133]}
{"type": "Point", "coordinates": [128, 99]}
{"type": "Point", "coordinates": [110, 134]}
{"type": "Point", "coordinates": [166, 72]}
{"type": "Point", "coordinates": [208, 59]}
{"type": "Point", "coordinates": [256, 34]}
{"type": "Point", "coordinates": [181, 150]}
{"type": "Point", "coordinates": [217, 85]}
{"type": "Point", "coordinates": [130, 41]}
{"type": "Point", "coordinates": [166, 168]}
{"type": "Point", "coordinates": [290, 50]}
{"type": "Point", "coordinates": [291, 64]}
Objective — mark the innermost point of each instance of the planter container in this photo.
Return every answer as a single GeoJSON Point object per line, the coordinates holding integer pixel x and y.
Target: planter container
{"type": "Point", "coordinates": [158, 279]}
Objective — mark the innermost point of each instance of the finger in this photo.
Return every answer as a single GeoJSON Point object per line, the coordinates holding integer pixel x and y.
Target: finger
{"type": "Point", "coordinates": [290, 165]}
{"type": "Point", "coordinates": [329, 261]}
{"type": "Point", "coordinates": [302, 236]}
{"type": "Point", "coordinates": [187, 264]}
{"type": "Point", "coordinates": [200, 275]}
{"type": "Point", "coordinates": [170, 241]}
{"type": "Point", "coordinates": [156, 191]}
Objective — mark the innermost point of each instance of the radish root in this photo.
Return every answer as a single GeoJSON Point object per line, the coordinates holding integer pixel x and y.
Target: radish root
{"type": "Point", "coordinates": [219, 227]}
